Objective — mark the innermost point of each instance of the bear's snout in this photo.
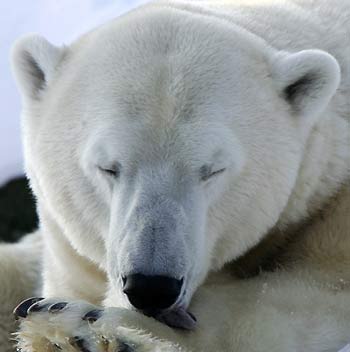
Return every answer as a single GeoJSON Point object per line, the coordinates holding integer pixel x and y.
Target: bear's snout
{"type": "Point", "coordinates": [151, 293]}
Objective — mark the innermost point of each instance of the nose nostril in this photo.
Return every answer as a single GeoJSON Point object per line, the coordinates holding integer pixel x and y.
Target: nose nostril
{"type": "Point", "coordinates": [151, 292]}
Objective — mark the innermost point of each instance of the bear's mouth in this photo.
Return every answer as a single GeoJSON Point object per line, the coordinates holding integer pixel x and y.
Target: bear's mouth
{"type": "Point", "coordinates": [176, 317]}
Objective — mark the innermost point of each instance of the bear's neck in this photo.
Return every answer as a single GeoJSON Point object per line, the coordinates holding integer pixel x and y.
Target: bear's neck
{"type": "Point", "coordinates": [323, 171]}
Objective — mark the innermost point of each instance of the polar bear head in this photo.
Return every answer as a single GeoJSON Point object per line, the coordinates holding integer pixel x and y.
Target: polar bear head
{"type": "Point", "coordinates": [165, 144]}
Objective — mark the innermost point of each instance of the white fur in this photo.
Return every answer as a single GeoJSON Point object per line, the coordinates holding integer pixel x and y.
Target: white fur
{"type": "Point", "coordinates": [20, 278]}
{"type": "Point", "coordinates": [162, 91]}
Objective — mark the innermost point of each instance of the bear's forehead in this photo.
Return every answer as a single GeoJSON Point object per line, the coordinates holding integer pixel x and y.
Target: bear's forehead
{"type": "Point", "coordinates": [160, 56]}
{"type": "Point", "coordinates": [161, 90]}
{"type": "Point", "coordinates": [156, 69]}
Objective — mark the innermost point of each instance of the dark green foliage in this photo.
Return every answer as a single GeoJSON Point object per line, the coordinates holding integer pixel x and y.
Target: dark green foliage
{"type": "Point", "coordinates": [17, 210]}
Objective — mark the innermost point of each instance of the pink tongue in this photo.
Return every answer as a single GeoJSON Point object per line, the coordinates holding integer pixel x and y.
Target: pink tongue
{"type": "Point", "coordinates": [177, 318]}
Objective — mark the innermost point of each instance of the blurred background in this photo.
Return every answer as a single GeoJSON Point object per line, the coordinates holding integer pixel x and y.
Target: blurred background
{"type": "Point", "coordinates": [60, 21]}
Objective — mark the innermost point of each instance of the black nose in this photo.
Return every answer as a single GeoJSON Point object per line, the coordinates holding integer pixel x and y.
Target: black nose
{"type": "Point", "coordinates": [151, 292]}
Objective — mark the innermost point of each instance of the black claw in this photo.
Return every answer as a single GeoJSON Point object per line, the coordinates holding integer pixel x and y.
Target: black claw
{"type": "Point", "coordinates": [57, 307]}
{"type": "Point", "coordinates": [79, 343]}
{"type": "Point", "coordinates": [124, 347]}
{"type": "Point", "coordinates": [192, 316]}
{"type": "Point", "coordinates": [37, 307]}
{"type": "Point", "coordinates": [93, 315]}
{"type": "Point", "coordinates": [21, 311]}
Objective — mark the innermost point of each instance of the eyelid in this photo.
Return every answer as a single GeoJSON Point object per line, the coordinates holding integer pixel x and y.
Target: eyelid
{"type": "Point", "coordinates": [207, 173]}
{"type": "Point", "coordinates": [218, 172]}
{"type": "Point", "coordinates": [113, 171]}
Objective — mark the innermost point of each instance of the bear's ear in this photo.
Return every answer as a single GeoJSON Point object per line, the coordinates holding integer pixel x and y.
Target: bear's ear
{"type": "Point", "coordinates": [34, 61]}
{"type": "Point", "coordinates": [307, 80]}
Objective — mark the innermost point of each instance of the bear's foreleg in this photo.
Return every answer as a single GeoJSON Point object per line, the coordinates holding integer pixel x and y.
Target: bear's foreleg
{"type": "Point", "coordinates": [50, 325]}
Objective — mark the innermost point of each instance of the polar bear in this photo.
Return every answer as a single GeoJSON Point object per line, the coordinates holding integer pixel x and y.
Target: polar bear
{"type": "Point", "coordinates": [177, 146]}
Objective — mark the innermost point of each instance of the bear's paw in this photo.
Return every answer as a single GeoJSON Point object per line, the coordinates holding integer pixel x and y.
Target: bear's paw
{"type": "Point", "coordinates": [54, 325]}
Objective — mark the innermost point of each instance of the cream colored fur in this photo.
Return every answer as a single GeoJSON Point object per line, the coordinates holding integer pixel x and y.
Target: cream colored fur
{"type": "Point", "coordinates": [258, 88]}
{"type": "Point", "coordinates": [20, 278]}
